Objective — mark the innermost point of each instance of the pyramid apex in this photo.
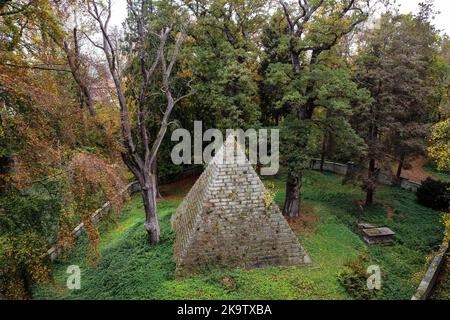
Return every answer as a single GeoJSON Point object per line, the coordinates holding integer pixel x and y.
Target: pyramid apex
{"type": "Point", "coordinates": [231, 152]}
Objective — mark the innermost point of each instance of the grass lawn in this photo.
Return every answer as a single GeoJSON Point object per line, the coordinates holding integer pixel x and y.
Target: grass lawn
{"type": "Point", "coordinates": [130, 269]}
{"type": "Point", "coordinates": [443, 289]}
{"type": "Point", "coordinates": [430, 167]}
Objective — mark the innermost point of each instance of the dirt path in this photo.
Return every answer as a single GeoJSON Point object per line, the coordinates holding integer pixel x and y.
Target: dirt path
{"type": "Point", "coordinates": [177, 190]}
{"type": "Point", "coordinates": [416, 173]}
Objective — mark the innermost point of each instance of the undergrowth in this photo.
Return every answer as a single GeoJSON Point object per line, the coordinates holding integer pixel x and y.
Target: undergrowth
{"type": "Point", "coordinates": [130, 269]}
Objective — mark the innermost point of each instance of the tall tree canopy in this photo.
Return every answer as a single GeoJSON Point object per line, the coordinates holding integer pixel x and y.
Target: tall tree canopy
{"type": "Point", "coordinates": [395, 63]}
{"type": "Point", "coordinates": [307, 31]}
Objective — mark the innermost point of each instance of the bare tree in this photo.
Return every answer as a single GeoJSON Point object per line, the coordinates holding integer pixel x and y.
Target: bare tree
{"type": "Point", "coordinates": [79, 74]}
{"type": "Point", "coordinates": [69, 42]}
{"type": "Point", "coordinates": [140, 160]}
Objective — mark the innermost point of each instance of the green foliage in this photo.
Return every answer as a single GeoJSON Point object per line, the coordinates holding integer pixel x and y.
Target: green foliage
{"type": "Point", "coordinates": [354, 279]}
{"type": "Point", "coordinates": [395, 64]}
{"type": "Point", "coordinates": [29, 222]}
{"type": "Point", "coordinates": [32, 210]}
{"type": "Point", "coordinates": [440, 145]}
{"type": "Point", "coordinates": [22, 264]}
{"type": "Point", "coordinates": [123, 270]}
{"type": "Point", "coordinates": [294, 143]}
{"type": "Point", "coordinates": [225, 92]}
{"type": "Point", "coordinates": [237, 62]}
{"type": "Point", "coordinates": [431, 168]}
{"type": "Point", "coordinates": [312, 99]}
{"type": "Point", "coordinates": [434, 194]}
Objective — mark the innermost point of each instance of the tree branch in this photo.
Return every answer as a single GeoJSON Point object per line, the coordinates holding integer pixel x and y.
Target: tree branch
{"type": "Point", "coordinates": [35, 67]}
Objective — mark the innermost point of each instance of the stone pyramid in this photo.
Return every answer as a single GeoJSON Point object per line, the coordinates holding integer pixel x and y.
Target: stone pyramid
{"type": "Point", "coordinates": [226, 220]}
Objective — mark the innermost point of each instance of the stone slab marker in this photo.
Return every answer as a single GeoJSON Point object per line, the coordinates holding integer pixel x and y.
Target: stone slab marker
{"type": "Point", "coordinates": [225, 220]}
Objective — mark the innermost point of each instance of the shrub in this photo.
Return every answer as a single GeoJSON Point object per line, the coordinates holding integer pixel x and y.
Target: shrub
{"type": "Point", "coordinates": [434, 194]}
{"type": "Point", "coordinates": [354, 279]}
{"type": "Point", "coordinates": [28, 225]}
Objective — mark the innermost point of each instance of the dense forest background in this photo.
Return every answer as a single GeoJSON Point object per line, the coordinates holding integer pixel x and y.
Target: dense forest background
{"type": "Point", "coordinates": [86, 108]}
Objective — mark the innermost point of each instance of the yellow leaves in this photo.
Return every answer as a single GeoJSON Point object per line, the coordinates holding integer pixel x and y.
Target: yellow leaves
{"type": "Point", "coordinates": [189, 39]}
{"type": "Point", "coordinates": [22, 254]}
{"type": "Point", "coordinates": [65, 239]}
{"type": "Point", "coordinates": [94, 240]}
{"type": "Point", "coordinates": [185, 73]}
{"type": "Point", "coordinates": [269, 195]}
{"type": "Point", "coordinates": [446, 222]}
{"type": "Point", "coordinates": [256, 76]}
{"type": "Point", "coordinates": [439, 150]}
{"type": "Point", "coordinates": [90, 181]}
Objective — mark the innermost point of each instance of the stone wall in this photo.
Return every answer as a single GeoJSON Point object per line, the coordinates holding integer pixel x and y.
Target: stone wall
{"type": "Point", "coordinates": [383, 178]}
{"type": "Point", "coordinates": [55, 251]}
{"type": "Point", "coordinates": [409, 185]}
{"type": "Point", "coordinates": [428, 283]}
{"type": "Point", "coordinates": [334, 167]}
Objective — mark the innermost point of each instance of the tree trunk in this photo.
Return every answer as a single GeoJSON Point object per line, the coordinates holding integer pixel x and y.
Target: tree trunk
{"type": "Point", "coordinates": [324, 150]}
{"type": "Point", "coordinates": [151, 210]}
{"type": "Point", "coordinates": [295, 62]}
{"type": "Point", "coordinates": [369, 197]}
{"type": "Point", "coordinates": [295, 57]}
{"type": "Point", "coordinates": [400, 167]}
{"type": "Point", "coordinates": [294, 180]}
{"type": "Point", "coordinates": [24, 274]}
{"type": "Point", "coordinates": [371, 183]}
{"type": "Point", "coordinates": [73, 59]}
{"type": "Point", "coordinates": [155, 174]}
{"type": "Point", "coordinates": [258, 168]}
{"type": "Point", "coordinates": [87, 98]}
{"type": "Point", "coordinates": [292, 202]}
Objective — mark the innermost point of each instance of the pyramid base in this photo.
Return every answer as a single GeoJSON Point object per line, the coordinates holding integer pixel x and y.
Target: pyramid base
{"type": "Point", "coordinates": [187, 270]}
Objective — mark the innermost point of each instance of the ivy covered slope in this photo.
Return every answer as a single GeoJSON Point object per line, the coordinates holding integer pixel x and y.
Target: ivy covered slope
{"type": "Point", "coordinates": [131, 269]}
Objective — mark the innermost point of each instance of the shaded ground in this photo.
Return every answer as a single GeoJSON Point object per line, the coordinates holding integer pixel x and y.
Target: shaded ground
{"type": "Point", "coordinates": [442, 290]}
{"type": "Point", "coordinates": [421, 169]}
{"type": "Point", "coordinates": [130, 269]}
{"type": "Point", "coordinates": [416, 173]}
{"type": "Point", "coordinates": [177, 190]}
{"type": "Point", "coordinates": [306, 223]}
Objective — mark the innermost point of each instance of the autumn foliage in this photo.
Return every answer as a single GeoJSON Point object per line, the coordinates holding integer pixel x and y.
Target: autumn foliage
{"type": "Point", "coordinates": [58, 163]}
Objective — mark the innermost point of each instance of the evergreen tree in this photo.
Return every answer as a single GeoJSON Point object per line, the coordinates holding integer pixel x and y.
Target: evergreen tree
{"type": "Point", "coordinates": [311, 29]}
{"type": "Point", "coordinates": [394, 64]}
